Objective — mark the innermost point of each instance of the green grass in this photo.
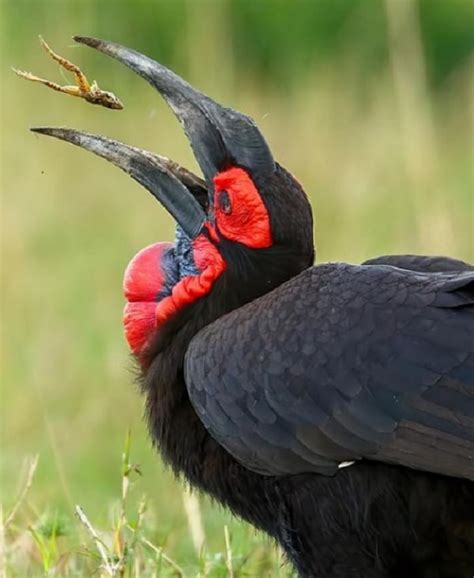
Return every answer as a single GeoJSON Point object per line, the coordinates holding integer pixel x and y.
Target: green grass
{"type": "Point", "coordinates": [388, 167]}
{"type": "Point", "coordinates": [130, 545]}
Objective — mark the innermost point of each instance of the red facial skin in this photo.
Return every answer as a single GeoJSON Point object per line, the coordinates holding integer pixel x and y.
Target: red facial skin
{"type": "Point", "coordinates": [246, 221]}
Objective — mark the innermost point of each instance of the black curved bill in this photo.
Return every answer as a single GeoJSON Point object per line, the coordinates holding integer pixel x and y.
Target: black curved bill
{"type": "Point", "coordinates": [155, 173]}
{"type": "Point", "coordinates": [220, 137]}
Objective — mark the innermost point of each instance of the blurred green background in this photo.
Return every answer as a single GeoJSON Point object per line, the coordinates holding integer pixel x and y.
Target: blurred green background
{"type": "Point", "coordinates": [368, 102]}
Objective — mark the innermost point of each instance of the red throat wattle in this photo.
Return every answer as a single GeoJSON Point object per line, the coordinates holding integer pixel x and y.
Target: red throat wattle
{"type": "Point", "coordinates": [145, 278]}
{"type": "Point", "coordinates": [245, 221]}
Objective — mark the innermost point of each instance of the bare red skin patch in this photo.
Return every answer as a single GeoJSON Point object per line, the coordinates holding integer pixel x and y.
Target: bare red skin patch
{"type": "Point", "coordinates": [139, 324]}
{"type": "Point", "coordinates": [248, 221]}
{"type": "Point", "coordinates": [244, 219]}
{"type": "Point", "coordinates": [144, 279]}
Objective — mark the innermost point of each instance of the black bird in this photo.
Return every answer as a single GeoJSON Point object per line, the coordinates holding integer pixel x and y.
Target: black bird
{"type": "Point", "coordinates": [332, 406]}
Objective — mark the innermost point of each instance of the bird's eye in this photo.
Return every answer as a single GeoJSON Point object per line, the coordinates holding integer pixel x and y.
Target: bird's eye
{"type": "Point", "coordinates": [224, 203]}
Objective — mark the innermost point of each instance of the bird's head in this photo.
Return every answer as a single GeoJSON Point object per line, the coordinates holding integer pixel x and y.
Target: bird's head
{"type": "Point", "coordinates": [241, 231]}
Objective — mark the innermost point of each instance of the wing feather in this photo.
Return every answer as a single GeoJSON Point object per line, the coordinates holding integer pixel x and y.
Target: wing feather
{"type": "Point", "coordinates": [422, 263]}
{"type": "Point", "coordinates": [343, 363]}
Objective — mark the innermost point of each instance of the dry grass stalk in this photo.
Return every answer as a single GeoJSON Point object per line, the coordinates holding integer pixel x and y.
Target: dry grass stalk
{"type": "Point", "coordinates": [228, 553]}
{"type": "Point", "coordinates": [102, 549]}
{"type": "Point", "coordinates": [159, 551]}
{"type": "Point", "coordinates": [3, 561]}
{"type": "Point", "coordinates": [193, 515]}
{"type": "Point", "coordinates": [23, 493]}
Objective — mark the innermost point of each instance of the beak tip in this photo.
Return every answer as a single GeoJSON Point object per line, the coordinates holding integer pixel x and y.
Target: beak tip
{"type": "Point", "coordinates": [40, 129]}
{"type": "Point", "coordinates": [61, 133]}
{"type": "Point", "coordinates": [88, 40]}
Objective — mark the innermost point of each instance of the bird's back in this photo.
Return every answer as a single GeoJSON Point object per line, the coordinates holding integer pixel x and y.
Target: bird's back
{"type": "Point", "coordinates": [342, 363]}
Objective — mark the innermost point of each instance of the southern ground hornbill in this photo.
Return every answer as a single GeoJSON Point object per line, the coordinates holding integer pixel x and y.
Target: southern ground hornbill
{"type": "Point", "coordinates": [332, 406]}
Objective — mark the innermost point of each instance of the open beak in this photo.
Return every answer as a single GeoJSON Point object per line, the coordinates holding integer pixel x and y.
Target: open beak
{"type": "Point", "coordinates": [220, 137]}
{"type": "Point", "coordinates": [152, 171]}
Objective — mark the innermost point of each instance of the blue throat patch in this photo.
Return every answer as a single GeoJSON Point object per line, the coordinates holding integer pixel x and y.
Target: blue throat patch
{"type": "Point", "coordinates": [178, 263]}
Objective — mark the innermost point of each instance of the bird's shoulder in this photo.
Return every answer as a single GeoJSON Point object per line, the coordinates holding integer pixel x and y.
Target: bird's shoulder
{"type": "Point", "coordinates": [335, 295]}
{"type": "Point", "coordinates": [422, 263]}
{"type": "Point", "coordinates": [326, 367]}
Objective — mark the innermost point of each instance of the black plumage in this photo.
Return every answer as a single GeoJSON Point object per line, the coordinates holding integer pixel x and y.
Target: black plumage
{"type": "Point", "coordinates": [330, 406]}
{"type": "Point", "coordinates": [370, 519]}
{"type": "Point", "coordinates": [422, 263]}
{"type": "Point", "coordinates": [363, 362]}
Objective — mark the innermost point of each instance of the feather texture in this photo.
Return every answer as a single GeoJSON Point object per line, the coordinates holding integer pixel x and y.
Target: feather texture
{"type": "Point", "coordinates": [343, 363]}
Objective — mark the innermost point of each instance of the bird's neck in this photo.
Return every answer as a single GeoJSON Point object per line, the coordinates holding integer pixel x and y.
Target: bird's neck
{"type": "Point", "coordinates": [179, 434]}
{"type": "Point", "coordinates": [176, 429]}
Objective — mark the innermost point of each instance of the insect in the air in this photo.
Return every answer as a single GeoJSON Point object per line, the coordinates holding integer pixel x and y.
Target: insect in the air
{"type": "Point", "coordinates": [83, 89]}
